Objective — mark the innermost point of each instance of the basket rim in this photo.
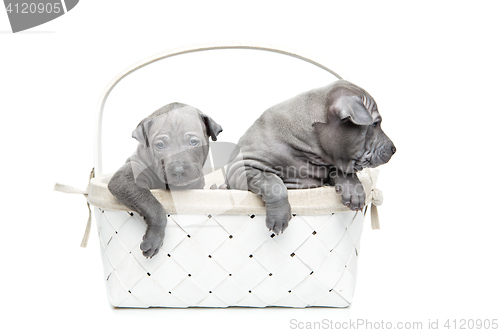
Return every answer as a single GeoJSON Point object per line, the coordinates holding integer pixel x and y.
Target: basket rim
{"type": "Point", "coordinates": [316, 201]}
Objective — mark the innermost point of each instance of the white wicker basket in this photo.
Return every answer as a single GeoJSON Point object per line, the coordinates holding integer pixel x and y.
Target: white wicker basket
{"type": "Point", "coordinates": [217, 251]}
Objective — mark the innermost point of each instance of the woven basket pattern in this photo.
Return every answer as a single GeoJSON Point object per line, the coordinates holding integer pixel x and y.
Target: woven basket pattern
{"type": "Point", "coordinates": [231, 260]}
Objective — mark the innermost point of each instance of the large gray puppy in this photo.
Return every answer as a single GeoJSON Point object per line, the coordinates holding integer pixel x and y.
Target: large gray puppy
{"type": "Point", "coordinates": [173, 146]}
{"type": "Point", "coordinates": [321, 137]}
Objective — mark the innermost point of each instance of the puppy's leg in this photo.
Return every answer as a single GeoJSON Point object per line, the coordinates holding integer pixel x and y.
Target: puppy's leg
{"type": "Point", "coordinates": [350, 189]}
{"type": "Point", "coordinates": [135, 194]}
{"type": "Point", "coordinates": [274, 194]}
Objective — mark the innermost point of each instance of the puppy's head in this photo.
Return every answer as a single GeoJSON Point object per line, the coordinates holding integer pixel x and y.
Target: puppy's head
{"type": "Point", "coordinates": [176, 141]}
{"type": "Point", "coordinates": [352, 134]}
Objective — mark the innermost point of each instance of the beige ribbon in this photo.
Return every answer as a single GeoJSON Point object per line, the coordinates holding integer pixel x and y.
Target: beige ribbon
{"type": "Point", "coordinates": [72, 190]}
{"type": "Point", "coordinates": [377, 199]}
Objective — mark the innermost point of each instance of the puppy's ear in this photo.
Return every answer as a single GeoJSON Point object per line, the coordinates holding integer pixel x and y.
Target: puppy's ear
{"type": "Point", "coordinates": [352, 108]}
{"type": "Point", "coordinates": [142, 130]}
{"type": "Point", "coordinates": [213, 129]}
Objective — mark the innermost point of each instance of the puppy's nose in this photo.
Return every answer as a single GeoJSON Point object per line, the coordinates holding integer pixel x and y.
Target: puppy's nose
{"type": "Point", "coordinates": [178, 171]}
{"type": "Point", "coordinates": [393, 149]}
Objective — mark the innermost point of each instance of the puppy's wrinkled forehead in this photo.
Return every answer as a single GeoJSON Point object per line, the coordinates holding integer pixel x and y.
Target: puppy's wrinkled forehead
{"type": "Point", "coordinates": [177, 122]}
{"type": "Point", "coordinates": [347, 88]}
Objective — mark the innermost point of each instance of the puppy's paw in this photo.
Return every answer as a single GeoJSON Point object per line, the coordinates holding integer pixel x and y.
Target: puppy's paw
{"type": "Point", "coordinates": [278, 215]}
{"type": "Point", "coordinates": [352, 196]}
{"type": "Point", "coordinates": [152, 241]}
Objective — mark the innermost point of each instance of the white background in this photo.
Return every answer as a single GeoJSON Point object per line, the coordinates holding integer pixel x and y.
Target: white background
{"type": "Point", "coordinates": [433, 68]}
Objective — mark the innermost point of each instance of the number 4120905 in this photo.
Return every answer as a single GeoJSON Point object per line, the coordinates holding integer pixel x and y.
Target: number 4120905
{"type": "Point", "coordinates": [32, 8]}
{"type": "Point", "coordinates": [471, 324]}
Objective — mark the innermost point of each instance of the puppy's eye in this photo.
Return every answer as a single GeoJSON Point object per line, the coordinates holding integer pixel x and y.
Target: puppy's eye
{"type": "Point", "coordinates": [375, 124]}
{"type": "Point", "coordinates": [160, 145]}
{"type": "Point", "coordinates": [194, 142]}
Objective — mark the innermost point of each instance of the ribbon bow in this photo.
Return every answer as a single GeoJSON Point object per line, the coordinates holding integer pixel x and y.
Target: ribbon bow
{"type": "Point", "coordinates": [377, 199]}
{"type": "Point", "coordinates": [72, 190]}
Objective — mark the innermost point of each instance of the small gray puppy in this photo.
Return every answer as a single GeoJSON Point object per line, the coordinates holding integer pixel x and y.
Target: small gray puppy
{"type": "Point", "coordinates": [320, 137]}
{"type": "Point", "coordinates": [173, 146]}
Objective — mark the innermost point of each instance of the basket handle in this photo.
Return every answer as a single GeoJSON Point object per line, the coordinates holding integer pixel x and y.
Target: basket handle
{"type": "Point", "coordinates": [171, 53]}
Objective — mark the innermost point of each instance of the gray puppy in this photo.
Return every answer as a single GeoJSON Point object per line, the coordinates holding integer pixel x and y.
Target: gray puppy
{"type": "Point", "coordinates": [173, 146]}
{"type": "Point", "coordinates": [321, 137]}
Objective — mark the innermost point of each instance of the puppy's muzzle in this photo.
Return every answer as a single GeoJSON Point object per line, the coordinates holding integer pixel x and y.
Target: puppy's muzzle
{"type": "Point", "coordinates": [180, 173]}
{"type": "Point", "coordinates": [387, 151]}
{"type": "Point", "coordinates": [178, 170]}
